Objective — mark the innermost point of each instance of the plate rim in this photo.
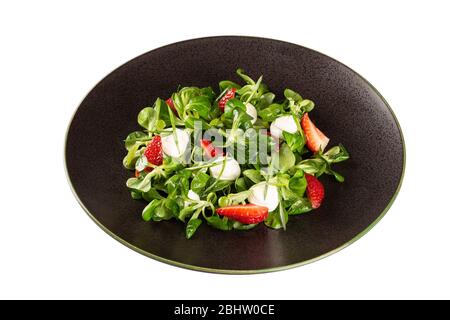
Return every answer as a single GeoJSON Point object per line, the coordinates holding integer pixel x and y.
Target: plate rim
{"type": "Point", "coordinates": [237, 271]}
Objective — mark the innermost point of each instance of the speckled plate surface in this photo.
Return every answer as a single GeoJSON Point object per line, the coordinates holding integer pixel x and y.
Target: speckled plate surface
{"type": "Point", "coordinates": [348, 110]}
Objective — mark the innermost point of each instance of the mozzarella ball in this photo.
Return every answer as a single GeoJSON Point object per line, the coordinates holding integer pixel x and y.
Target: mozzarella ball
{"type": "Point", "coordinates": [193, 195]}
{"type": "Point", "coordinates": [271, 200]}
{"type": "Point", "coordinates": [284, 123]}
{"type": "Point", "coordinates": [231, 171]}
{"type": "Point", "coordinates": [170, 146]}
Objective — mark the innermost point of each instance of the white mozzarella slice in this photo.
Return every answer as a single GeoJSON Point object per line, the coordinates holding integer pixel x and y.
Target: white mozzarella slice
{"type": "Point", "coordinates": [271, 200]}
{"type": "Point", "coordinates": [231, 171]}
{"type": "Point", "coordinates": [169, 145]}
{"type": "Point", "coordinates": [193, 195]}
{"type": "Point", "coordinates": [284, 123]}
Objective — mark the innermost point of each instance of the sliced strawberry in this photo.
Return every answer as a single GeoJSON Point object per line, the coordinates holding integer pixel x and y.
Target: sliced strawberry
{"type": "Point", "coordinates": [172, 106]}
{"type": "Point", "coordinates": [314, 190]}
{"type": "Point", "coordinates": [154, 152]}
{"type": "Point", "coordinates": [210, 150]}
{"type": "Point", "coordinates": [137, 174]}
{"type": "Point", "coordinates": [245, 213]}
{"type": "Point", "coordinates": [227, 96]}
{"type": "Point", "coordinates": [315, 139]}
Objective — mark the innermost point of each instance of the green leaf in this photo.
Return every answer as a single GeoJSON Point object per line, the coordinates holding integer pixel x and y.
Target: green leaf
{"type": "Point", "coordinates": [136, 195]}
{"type": "Point", "coordinates": [240, 226]}
{"type": "Point", "coordinates": [283, 215]}
{"type": "Point", "coordinates": [273, 221]}
{"type": "Point", "coordinates": [285, 160]}
{"type": "Point", "coordinates": [162, 110]}
{"type": "Point", "coordinates": [265, 100]}
{"type": "Point", "coordinates": [178, 184]}
{"type": "Point", "coordinates": [208, 92]}
{"type": "Point", "coordinates": [298, 183]}
{"type": "Point", "coordinates": [149, 210]}
{"type": "Point", "coordinates": [336, 154]}
{"type": "Point", "coordinates": [306, 105]}
{"type": "Point", "coordinates": [201, 105]}
{"type": "Point", "coordinates": [271, 112]}
{"type": "Point", "coordinates": [232, 106]}
{"type": "Point", "coordinates": [151, 194]}
{"type": "Point", "coordinates": [172, 206]}
{"type": "Point", "coordinates": [189, 122]}
{"type": "Point", "coordinates": [192, 227]}
{"type": "Point", "coordinates": [253, 175]}
{"type": "Point", "coordinates": [295, 141]}
{"type": "Point", "coordinates": [142, 184]}
{"type": "Point", "coordinates": [302, 205]}
{"type": "Point", "coordinates": [178, 105]}
{"type": "Point", "coordinates": [147, 118]}
{"type": "Point", "coordinates": [219, 185]}
{"type": "Point", "coordinates": [165, 211]}
{"type": "Point", "coordinates": [219, 223]}
{"type": "Point", "coordinates": [211, 198]}
{"type": "Point", "coordinates": [172, 184]}
{"type": "Point", "coordinates": [292, 95]}
{"type": "Point", "coordinates": [133, 154]}
{"type": "Point", "coordinates": [337, 176]}
{"type": "Point", "coordinates": [223, 201]}
{"type": "Point", "coordinates": [280, 180]}
{"type": "Point", "coordinates": [134, 137]}
{"type": "Point", "coordinates": [199, 182]}
{"type": "Point", "coordinates": [252, 91]}
{"type": "Point", "coordinates": [246, 78]}
{"type": "Point", "coordinates": [289, 197]}
{"type": "Point", "coordinates": [160, 125]}
{"type": "Point", "coordinates": [315, 166]}
{"type": "Point", "coordinates": [234, 198]}
{"type": "Point", "coordinates": [227, 84]}
{"type": "Point", "coordinates": [186, 212]}
{"type": "Point", "coordinates": [277, 219]}
{"type": "Point", "coordinates": [240, 184]}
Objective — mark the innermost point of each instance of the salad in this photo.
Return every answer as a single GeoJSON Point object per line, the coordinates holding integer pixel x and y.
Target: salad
{"type": "Point", "coordinates": [231, 160]}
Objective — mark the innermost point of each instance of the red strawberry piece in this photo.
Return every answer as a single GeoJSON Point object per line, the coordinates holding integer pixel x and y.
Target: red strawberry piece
{"type": "Point", "coordinates": [315, 139]}
{"type": "Point", "coordinates": [154, 152]}
{"type": "Point", "coordinates": [172, 106]}
{"type": "Point", "coordinates": [227, 96]}
{"type": "Point", "coordinates": [210, 150]}
{"type": "Point", "coordinates": [245, 213]}
{"type": "Point", "coordinates": [137, 174]}
{"type": "Point", "coordinates": [314, 190]}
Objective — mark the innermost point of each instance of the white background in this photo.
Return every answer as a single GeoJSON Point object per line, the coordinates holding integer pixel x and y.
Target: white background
{"type": "Point", "coordinates": [53, 52]}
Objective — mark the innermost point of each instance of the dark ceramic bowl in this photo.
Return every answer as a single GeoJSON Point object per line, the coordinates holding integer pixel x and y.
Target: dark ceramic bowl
{"type": "Point", "coordinates": [348, 108]}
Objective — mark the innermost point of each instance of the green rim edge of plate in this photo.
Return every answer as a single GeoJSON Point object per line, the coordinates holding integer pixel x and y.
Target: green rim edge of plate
{"type": "Point", "coordinates": [257, 271]}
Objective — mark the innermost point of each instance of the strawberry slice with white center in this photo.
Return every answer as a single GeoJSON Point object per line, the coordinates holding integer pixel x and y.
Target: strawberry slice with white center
{"type": "Point", "coordinates": [245, 213]}
{"type": "Point", "coordinates": [209, 149]}
{"type": "Point", "coordinates": [227, 96]}
{"type": "Point", "coordinates": [315, 139]}
{"type": "Point", "coordinates": [314, 190]}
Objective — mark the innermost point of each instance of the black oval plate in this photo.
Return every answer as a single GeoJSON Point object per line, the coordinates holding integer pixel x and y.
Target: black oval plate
{"type": "Point", "coordinates": [348, 110]}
